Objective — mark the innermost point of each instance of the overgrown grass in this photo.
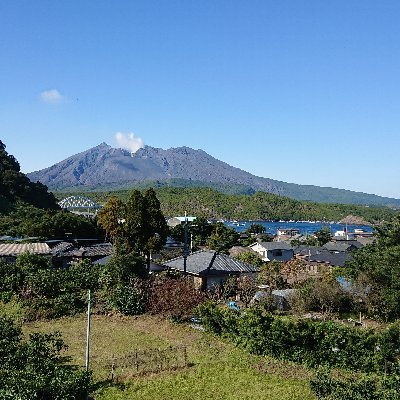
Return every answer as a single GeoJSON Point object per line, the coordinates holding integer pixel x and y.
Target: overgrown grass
{"type": "Point", "coordinates": [217, 370]}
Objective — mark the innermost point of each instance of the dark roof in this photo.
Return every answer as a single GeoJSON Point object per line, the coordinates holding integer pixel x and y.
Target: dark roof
{"type": "Point", "coordinates": [276, 245]}
{"type": "Point", "coordinates": [365, 240]}
{"type": "Point", "coordinates": [208, 262]}
{"type": "Point", "coordinates": [61, 248]}
{"type": "Point", "coordinates": [342, 246]}
{"type": "Point", "coordinates": [334, 259]}
{"type": "Point", "coordinates": [66, 249]}
{"type": "Point", "coordinates": [305, 249]}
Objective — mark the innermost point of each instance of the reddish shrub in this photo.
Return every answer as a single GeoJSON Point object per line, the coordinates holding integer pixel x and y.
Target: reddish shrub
{"type": "Point", "coordinates": [175, 298]}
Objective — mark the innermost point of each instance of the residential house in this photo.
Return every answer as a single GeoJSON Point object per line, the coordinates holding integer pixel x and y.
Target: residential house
{"type": "Point", "coordinates": [337, 246]}
{"type": "Point", "coordinates": [10, 251]}
{"type": "Point", "coordinates": [64, 253]}
{"type": "Point", "coordinates": [269, 251]}
{"type": "Point", "coordinates": [210, 269]}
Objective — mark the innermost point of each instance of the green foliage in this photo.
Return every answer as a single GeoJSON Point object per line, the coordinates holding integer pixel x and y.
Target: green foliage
{"type": "Point", "coordinates": [37, 369]}
{"type": "Point", "coordinates": [130, 299]}
{"type": "Point", "coordinates": [111, 217]}
{"type": "Point", "coordinates": [16, 187]}
{"type": "Point", "coordinates": [250, 258]}
{"type": "Point", "coordinates": [375, 271]}
{"type": "Point", "coordinates": [222, 238]}
{"type": "Point", "coordinates": [211, 203]}
{"type": "Point", "coordinates": [27, 220]}
{"type": "Point", "coordinates": [271, 274]}
{"type": "Point", "coordinates": [216, 319]}
{"type": "Point", "coordinates": [323, 236]}
{"type": "Point", "coordinates": [305, 341]}
{"type": "Point", "coordinates": [155, 221]}
{"type": "Point", "coordinates": [355, 387]}
{"type": "Point", "coordinates": [139, 223]}
{"type": "Point", "coordinates": [199, 230]}
{"type": "Point", "coordinates": [122, 268]}
{"type": "Point", "coordinates": [47, 292]}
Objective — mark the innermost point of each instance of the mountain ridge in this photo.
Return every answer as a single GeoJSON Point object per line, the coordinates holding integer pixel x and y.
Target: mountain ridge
{"type": "Point", "coordinates": [103, 166]}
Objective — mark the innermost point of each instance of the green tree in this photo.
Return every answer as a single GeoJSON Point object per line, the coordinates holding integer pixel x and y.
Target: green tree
{"type": "Point", "coordinates": [323, 235]}
{"type": "Point", "coordinates": [250, 257]}
{"type": "Point", "coordinates": [222, 238]}
{"type": "Point", "coordinates": [156, 229]}
{"type": "Point", "coordinates": [37, 368]}
{"type": "Point", "coordinates": [111, 218]}
{"type": "Point", "coordinates": [16, 187]}
{"type": "Point", "coordinates": [136, 228]}
{"type": "Point", "coordinates": [256, 228]}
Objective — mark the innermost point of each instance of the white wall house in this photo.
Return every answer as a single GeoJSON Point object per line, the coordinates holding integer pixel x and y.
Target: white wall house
{"type": "Point", "coordinates": [269, 251]}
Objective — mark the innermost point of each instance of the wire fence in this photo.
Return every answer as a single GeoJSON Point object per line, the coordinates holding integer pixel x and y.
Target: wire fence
{"type": "Point", "coordinates": [141, 362]}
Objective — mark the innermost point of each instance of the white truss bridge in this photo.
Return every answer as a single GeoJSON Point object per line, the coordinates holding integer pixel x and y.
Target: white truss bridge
{"type": "Point", "coordinates": [80, 205]}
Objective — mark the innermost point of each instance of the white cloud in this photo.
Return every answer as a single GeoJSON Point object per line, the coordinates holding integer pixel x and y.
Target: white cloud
{"type": "Point", "coordinates": [129, 141]}
{"type": "Point", "coordinates": [52, 96]}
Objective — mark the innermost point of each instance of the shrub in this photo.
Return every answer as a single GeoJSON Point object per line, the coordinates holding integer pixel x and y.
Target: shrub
{"type": "Point", "coordinates": [130, 299]}
{"type": "Point", "coordinates": [356, 387]}
{"type": "Point", "coordinates": [306, 341]}
{"type": "Point", "coordinates": [175, 298]}
{"type": "Point", "coordinates": [37, 368]}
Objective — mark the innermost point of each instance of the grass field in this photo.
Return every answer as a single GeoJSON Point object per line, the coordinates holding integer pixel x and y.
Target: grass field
{"type": "Point", "coordinates": [216, 370]}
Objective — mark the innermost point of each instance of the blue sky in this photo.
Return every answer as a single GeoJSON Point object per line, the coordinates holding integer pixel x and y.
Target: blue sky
{"type": "Point", "coordinates": [300, 91]}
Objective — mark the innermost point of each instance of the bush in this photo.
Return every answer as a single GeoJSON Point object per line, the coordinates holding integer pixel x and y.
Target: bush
{"type": "Point", "coordinates": [175, 298]}
{"type": "Point", "coordinates": [130, 299]}
{"type": "Point", "coordinates": [356, 387]}
{"type": "Point", "coordinates": [306, 341]}
{"type": "Point", "coordinates": [37, 369]}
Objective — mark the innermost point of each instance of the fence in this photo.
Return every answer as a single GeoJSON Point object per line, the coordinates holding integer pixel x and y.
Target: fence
{"type": "Point", "coordinates": [141, 362]}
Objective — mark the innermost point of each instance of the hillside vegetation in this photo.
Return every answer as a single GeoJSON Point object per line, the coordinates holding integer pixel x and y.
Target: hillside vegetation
{"type": "Point", "coordinates": [211, 203]}
{"type": "Point", "coordinates": [15, 187]}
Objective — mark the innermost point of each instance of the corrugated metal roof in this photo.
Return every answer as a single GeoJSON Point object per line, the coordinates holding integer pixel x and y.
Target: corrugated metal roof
{"type": "Point", "coordinates": [15, 249]}
{"type": "Point", "coordinates": [206, 262]}
{"type": "Point", "coordinates": [223, 262]}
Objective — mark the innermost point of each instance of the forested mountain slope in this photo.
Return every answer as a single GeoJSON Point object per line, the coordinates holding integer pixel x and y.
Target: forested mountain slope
{"type": "Point", "coordinates": [16, 187]}
{"type": "Point", "coordinates": [211, 203]}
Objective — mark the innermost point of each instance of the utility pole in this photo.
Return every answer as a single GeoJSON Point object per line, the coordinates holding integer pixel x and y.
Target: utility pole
{"type": "Point", "coordinates": [88, 334]}
{"type": "Point", "coordinates": [185, 244]}
{"type": "Point", "coordinates": [88, 340]}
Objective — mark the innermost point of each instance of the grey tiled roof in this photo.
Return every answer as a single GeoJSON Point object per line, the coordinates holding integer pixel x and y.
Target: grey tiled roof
{"type": "Point", "coordinates": [276, 245]}
{"type": "Point", "coordinates": [334, 259]}
{"type": "Point", "coordinates": [62, 248]}
{"type": "Point", "coordinates": [65, 249]}
{"type": "Point", "coordinates": [305, 249]}
{"type": "Point", "coordinates": [15, 249]}
{"type": "Point", "coordinates": [341, 246]}
{"type": "Point", "coordinates": [206, 262]}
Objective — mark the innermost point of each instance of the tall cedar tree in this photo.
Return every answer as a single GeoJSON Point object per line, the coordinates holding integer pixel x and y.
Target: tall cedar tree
{"type": "Point", "coordinates": [111, 217]}
{"type": "Point", "coordinates": [145, 226]}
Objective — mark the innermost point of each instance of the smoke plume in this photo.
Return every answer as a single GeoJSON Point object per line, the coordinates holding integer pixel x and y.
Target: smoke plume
{"type": "Point", "coordinates": [129, 141]}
